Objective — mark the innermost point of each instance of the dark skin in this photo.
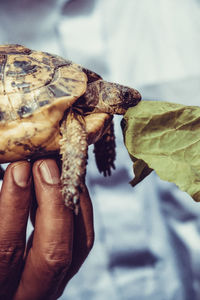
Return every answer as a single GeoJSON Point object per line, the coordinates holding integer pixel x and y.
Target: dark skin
{"type": "Point", "coordinates": [59, 243]}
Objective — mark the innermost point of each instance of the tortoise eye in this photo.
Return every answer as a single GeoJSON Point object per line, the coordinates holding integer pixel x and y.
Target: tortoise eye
{"type": "Point", "coordinates": [126, 95]}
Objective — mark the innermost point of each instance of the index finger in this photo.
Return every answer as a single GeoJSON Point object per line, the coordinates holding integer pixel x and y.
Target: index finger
{"type": "Point", "coordinates": [51, 252]}
{"type": "Point", "coordinates": [14, 209]}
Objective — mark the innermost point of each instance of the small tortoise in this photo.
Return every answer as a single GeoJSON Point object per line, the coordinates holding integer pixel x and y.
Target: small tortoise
{"type": "Point", "coordinates": [49, 104]}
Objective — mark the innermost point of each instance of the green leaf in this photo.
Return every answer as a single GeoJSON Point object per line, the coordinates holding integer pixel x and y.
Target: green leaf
{"type": "Point", "coordinates": [165, 137]}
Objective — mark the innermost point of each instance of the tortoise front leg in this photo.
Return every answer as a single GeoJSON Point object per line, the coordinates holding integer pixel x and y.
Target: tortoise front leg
{"type": "Point", "coordinates": [73, 149]}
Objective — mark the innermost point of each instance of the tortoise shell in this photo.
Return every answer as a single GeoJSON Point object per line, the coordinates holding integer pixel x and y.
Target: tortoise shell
{"type": "Point", "coordinates": [36, 88]}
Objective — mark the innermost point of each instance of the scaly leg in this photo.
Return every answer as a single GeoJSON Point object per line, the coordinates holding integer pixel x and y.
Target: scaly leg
{"type": "Point", "coordinates": [74, 149]}
{"type": "Point", "coordinates": [104, 150]}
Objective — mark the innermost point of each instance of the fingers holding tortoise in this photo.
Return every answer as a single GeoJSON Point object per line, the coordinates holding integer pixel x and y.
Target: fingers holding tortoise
{"type": "Point", "coordinates": [61, 241]}
{"type": "Point", "coordinates": [14, 210]}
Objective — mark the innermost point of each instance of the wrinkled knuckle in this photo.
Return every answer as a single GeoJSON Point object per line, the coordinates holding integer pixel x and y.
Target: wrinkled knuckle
{"type": "Point", "coordinates": [58, 267]}
{"type": "Point", "coordinates": [59, 264]}
{"type": "Point", "coordinates": [58, 261]}
{"type": "Point", "coordinates": [10, 254]}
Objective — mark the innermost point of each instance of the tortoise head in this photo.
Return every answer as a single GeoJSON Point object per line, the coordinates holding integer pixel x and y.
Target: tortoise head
{"type": "Point", "coordinates": [119, 98]}
{"type": "Point", "coordinates": [113, 98]}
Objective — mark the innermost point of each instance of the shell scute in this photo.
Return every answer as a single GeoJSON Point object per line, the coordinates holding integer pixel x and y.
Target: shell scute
{"type": "Point", "coordinates": [48, 59]}
{"type": "Point", "coordinates": [29, 83]}
{"type": "Point", "coordinates": [22, 74]}
{"type": "Point", "coordinates": [13, 49]}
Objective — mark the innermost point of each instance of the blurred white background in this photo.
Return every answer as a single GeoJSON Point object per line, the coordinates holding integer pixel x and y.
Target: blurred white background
{"type": "Point", "coordinates": [148, 238]}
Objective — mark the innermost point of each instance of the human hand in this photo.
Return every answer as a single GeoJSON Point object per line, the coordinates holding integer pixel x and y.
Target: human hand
{"type": "Point", "coordinates": [59, 243]}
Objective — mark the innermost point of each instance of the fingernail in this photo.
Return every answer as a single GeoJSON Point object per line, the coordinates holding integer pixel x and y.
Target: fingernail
{"type": "Point", "coordinates": [21, 174]}
{"type": "Point", "coordinates": [50, 172]}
